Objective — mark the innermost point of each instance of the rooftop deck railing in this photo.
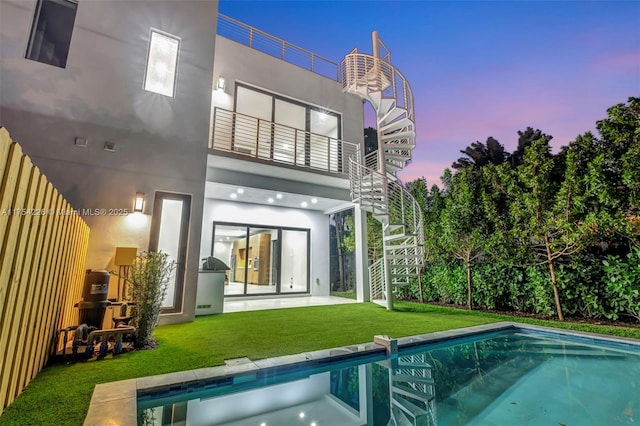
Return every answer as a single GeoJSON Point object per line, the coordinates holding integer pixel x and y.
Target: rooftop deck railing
{"type": "Point", "coordinates": [253, 137]}
{"type": "Point", "coordinates": [274, 46]}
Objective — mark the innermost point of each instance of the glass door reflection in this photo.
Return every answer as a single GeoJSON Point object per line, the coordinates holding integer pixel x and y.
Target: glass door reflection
{"type": "Point", "coordinates": [262, 260]}
{"type": "Point", "coordinates": [230, 246]}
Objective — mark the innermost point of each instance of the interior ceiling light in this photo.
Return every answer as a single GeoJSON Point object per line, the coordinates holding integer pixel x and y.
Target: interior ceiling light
{"type": "Point", "coordinates": [234, 195]}
{"type": "Point", "coordinates": [314, 200]}
{"type": "Point", "coordinates": [279, 196]}
{"type": "Point", "coordinates": [304, 204]}
{"type": "Point", "coordinates": [240, 191]}
{"type": "Point", "coordinates": [270, 200]}
{"type": "Point", "coordinates": [301, 415]}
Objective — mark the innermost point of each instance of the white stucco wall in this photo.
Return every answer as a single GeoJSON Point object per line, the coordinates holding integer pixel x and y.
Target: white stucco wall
{"type": "Point", "coordinates": [161, 142]}
{"type": "Point", "coordinates": [254, 214]}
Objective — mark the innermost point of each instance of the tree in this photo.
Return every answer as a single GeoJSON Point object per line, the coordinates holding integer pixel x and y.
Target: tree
{"type": "Point", "coordinates": [480, 154]}
{"type": "Point", "coordinates": [462, 222]}
{"type": "Point", "coordinates": [548, 223]}
{"type": "Point", "coordinates": [620, 133]}
{"type": "Point", "coordinates": [525, 139]}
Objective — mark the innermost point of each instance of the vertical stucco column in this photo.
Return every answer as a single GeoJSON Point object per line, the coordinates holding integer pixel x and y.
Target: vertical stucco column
{"type": "Point", "coordinates": [363, 292]}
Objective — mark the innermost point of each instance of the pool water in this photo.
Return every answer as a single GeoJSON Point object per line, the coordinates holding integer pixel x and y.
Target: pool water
{"type": "Point", "coordinates": [499, 378]}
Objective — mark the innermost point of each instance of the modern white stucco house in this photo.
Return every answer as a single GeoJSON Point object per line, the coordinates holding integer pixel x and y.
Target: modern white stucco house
{"type": "Point", "coordinates": [240, 144]}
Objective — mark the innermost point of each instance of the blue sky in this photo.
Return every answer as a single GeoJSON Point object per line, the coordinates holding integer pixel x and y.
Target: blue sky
{"type": "Point", "coordinates": [480, 68]}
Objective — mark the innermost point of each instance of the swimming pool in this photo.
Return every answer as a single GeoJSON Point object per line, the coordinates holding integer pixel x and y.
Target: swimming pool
{"type": "Point", "coordinates": [501, 374]}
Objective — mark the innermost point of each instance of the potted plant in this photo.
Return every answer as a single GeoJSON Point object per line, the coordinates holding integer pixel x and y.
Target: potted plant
{"type": "Point", "coordinates": [148, 280]}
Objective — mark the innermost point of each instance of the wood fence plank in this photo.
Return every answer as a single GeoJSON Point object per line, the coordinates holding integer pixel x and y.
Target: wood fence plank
{"type": "Point", "coordinates": [43, 249]}
{"type": "Point", "coordinates": [8, 188]}
{"type": "Point", "coordinates": [44, 235]}
{"type": "Point", "coordinates": [58, 285]}
{"type": "Point", "coordinates": [15, 311]}
{"type": "Point", "coordinates": [9, 257]}
{"type": "Point", "coordinates": [47, 283]}
{"type": "Point", "coordinates": [29, 271]}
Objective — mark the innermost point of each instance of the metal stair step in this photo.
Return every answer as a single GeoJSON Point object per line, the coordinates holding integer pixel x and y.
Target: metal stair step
{"type": "Point", "coordinates": [395, 125]}
{"type": "Point", "coordinates": [398, 135]}
{"type": "Point", "coordinates": [408, 407]}
{"type": "Point", "coordinates": [400, 246]}
{"type": "Point", "coordinates": [411, 393]}
{"type": "Point", "coordinates": [391, 115]}
{"type": "Point", "coordinates": [412, 379]}
{"type": "Point", "coordinates": [404, 256]}
{"type": "Point", "coordinates": [393, 237]}
{"type": "Point", "coordinates": [385, 105]}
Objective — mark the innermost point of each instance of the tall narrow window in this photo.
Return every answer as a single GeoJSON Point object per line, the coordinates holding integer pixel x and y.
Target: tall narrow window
{"type": "Point", "coordinates": [162, 63]}
{"type": "Point", "coordinates": [51, 31]}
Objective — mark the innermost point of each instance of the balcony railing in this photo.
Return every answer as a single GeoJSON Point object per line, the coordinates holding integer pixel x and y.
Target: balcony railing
{"type": "Point", "coordinates": [274, 46]}
{"type": "Point", "coordinates": [262, 139]}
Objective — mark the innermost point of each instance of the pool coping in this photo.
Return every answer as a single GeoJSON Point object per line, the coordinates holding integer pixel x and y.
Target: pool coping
{"type": "Point", "coordinates": [115, 403]}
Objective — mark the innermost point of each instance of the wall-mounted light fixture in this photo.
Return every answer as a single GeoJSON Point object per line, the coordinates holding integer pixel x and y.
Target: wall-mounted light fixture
{"type": "Point", "coordinates": [138, 203]}
{"type": "Point", "coordinates": [220, 84]}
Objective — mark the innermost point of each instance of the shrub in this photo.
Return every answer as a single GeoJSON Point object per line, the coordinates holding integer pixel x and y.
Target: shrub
{"type": "Point", "coordinates": [622, 285]}
{"type": "Point", "coordinates": [148, 277]}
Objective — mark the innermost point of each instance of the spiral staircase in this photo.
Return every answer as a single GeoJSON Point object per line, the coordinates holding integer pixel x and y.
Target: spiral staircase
{"type": "Point", "coordinates": [373, 181]}
{"type": "Point", "coordinates": [412, 392]}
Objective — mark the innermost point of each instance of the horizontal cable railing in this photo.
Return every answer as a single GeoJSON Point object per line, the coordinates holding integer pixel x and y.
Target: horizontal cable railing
{"type": "Point", "coordinates": [359, 69]}
{"type": "Point", "coordinates": [254, 137]}
{"type": "Point", "coordinates": [274, 46]}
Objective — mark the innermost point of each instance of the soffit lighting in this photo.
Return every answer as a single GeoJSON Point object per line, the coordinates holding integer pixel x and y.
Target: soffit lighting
{"type": "Point", "coordinates": [314, 200]}
{"type": "Point", "coordinates": [304, 204]}
{"type": "Point", "coordinates": [240, 191]}
{"type": "Point", "coordinates": [279, 196]}
{"type": "Point", "coordinates": [234, 195]}
{"type": "Point", "coordinates": [270, 200]}
{"type": "Point", "coordinates": [301, 415]}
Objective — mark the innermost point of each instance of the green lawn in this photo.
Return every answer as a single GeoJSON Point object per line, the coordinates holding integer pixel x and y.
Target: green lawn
{"type": "Point", "coordinates": [61, 393]}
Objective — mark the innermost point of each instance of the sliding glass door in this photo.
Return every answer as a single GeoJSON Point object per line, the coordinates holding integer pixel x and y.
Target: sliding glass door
{"type": "Point", "coordinates": [262, 259]}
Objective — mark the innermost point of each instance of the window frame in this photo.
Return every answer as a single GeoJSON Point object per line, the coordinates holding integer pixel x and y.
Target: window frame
{"type": "Point", "coordinates": [34, 27]}
{"type": "Point", "coordinates": [153, 30]}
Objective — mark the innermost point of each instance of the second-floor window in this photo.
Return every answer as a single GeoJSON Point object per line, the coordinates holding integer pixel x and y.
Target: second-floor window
{"type": "Point", "coordinates": [51, 32]}
{"type": "Point", "coordinates": [281, 129]}
{"type": "Point", "coordinates": [162, 63]}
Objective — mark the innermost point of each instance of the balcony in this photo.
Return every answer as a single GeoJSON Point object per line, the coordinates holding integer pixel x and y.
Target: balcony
{"type": "Point", "coordinates": [255, 138]}
{"type": "Point", "coordinates": [276, 47]}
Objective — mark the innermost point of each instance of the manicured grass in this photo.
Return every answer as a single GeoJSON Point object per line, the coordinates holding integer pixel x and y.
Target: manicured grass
{"type": "Point", "coordinates": [344, 294]}
{"type": "Point", "coordinates": [61, 393]}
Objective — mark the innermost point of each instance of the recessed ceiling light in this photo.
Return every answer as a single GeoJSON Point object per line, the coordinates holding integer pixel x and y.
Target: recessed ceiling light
{"type": "Point", "coordinates": [304, 204]}
{"type": "Point", "coordinates": [263, 424]}
{"type": "Point", "coordinates": [270, 200]}
{"type": "Point", "coordinates": [279, 196]}
{"type": "Point", "coordinates": [314, 200]}
{"type": "Point", "coordinates": [240, 191]}
{"type": "Point", "coordinates": [234, 195]}
{"type": "Point", "coordinates": [301, 415]}
{"type": "Point", "coordinates": [313, 424]}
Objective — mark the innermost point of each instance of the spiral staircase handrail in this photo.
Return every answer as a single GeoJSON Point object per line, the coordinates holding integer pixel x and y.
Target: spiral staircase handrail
{"type": "Point", "coordinates": [360, 67]}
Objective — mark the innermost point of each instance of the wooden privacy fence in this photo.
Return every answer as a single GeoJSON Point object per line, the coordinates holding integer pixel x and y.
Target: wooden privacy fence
{"type": "Point", "coordinates": [43, 246]}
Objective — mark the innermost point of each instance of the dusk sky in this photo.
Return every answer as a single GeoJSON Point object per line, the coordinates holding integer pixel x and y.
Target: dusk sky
{"type": "Point", "coordinates": [481, 68]}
